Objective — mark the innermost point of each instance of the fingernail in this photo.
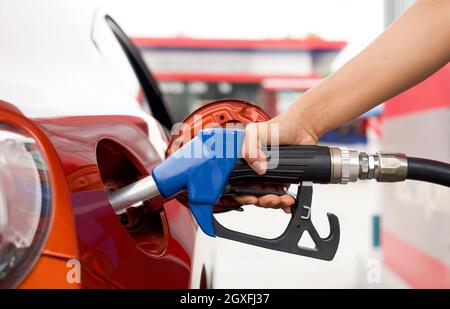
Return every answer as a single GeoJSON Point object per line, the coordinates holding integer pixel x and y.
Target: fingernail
{"type": "Point", "coordinates": [263, 166]}
{"type": "Point", "coordinates": [250, 200]}
{"type": "Point", "coordinates": [287, 210]}
{"type": "Point", "coordinates": [257, 167]}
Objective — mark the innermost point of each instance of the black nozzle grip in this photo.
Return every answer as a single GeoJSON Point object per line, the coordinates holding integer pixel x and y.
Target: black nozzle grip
{"type": "Point", "coordinates": [296, 163]}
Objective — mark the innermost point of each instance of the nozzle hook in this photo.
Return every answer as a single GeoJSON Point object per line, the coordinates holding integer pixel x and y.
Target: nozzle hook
{"type": "Point", "coordinates": [325, 248]}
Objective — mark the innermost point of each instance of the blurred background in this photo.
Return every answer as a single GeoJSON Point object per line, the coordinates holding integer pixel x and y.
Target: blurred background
{"type": "Point", "coordinates": [271, 52]}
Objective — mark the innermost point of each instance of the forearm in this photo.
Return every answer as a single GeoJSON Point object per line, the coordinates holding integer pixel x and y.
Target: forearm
{"type": "Point", "coordinates": [411, 49]}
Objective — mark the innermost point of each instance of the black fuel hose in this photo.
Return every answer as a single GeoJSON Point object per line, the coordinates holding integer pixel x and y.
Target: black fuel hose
{"type": "Point", "coordinates": [429, 171]}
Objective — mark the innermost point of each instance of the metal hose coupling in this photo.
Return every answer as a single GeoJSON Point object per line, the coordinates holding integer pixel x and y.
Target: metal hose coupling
{"type": "Point", "coordinates": [349, 165]}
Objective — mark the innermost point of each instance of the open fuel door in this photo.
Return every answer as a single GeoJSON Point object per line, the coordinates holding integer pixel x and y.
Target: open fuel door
{"type": "Point", "coordinates": [220, 113]}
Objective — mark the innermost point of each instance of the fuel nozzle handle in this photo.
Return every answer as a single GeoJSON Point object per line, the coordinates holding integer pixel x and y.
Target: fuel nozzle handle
{"type": "Point", "coordinates": [288, 164]}
{"type": "Point", "coordinates": [321, 164]}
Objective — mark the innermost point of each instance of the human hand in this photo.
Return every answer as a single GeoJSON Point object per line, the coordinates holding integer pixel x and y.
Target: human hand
{"type": "Point", "coordinates": [280, 130]}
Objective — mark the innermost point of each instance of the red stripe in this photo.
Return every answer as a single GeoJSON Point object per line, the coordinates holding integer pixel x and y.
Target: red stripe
{"type": "Point", "coordinates": [417, 268]}
{"type": "Point", "coordinates": [434, 92]}
{"type": "Point", "coordinates": [223, 77]}
{"type": "Point", "coordinates": [290, 83]}
{"type": "Point", "coordinates": [314, 44]}
{"type": "Point", "coordinates": [374, 123]}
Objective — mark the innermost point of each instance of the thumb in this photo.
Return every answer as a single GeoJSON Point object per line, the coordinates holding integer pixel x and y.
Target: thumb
{"type": "Point", "coordinates": [251, 152]}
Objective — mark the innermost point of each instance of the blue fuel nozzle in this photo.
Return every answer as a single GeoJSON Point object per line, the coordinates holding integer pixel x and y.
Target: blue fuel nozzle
{"type": "Point", "coordinates": [201, 166]}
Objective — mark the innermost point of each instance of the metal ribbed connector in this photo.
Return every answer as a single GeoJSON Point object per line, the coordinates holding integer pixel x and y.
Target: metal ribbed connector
{"type": "Point", "coordinates": [344, 165]}
{"type": "Point", "coordinates": [349, 165]}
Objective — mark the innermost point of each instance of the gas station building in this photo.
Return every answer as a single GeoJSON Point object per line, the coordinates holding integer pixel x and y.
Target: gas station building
{"type": "Point", "coordinates": [271, 73]}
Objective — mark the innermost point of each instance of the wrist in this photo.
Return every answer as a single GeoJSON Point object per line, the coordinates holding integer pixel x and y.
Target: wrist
{"type": "Point", "coordinates": [297, 130]}
{"type": "Point", "coordinates": [312, 112]}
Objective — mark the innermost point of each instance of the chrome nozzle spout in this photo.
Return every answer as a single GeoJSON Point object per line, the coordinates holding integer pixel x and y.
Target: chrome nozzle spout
{"type": "Point", "coordinates": [138, 191]}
